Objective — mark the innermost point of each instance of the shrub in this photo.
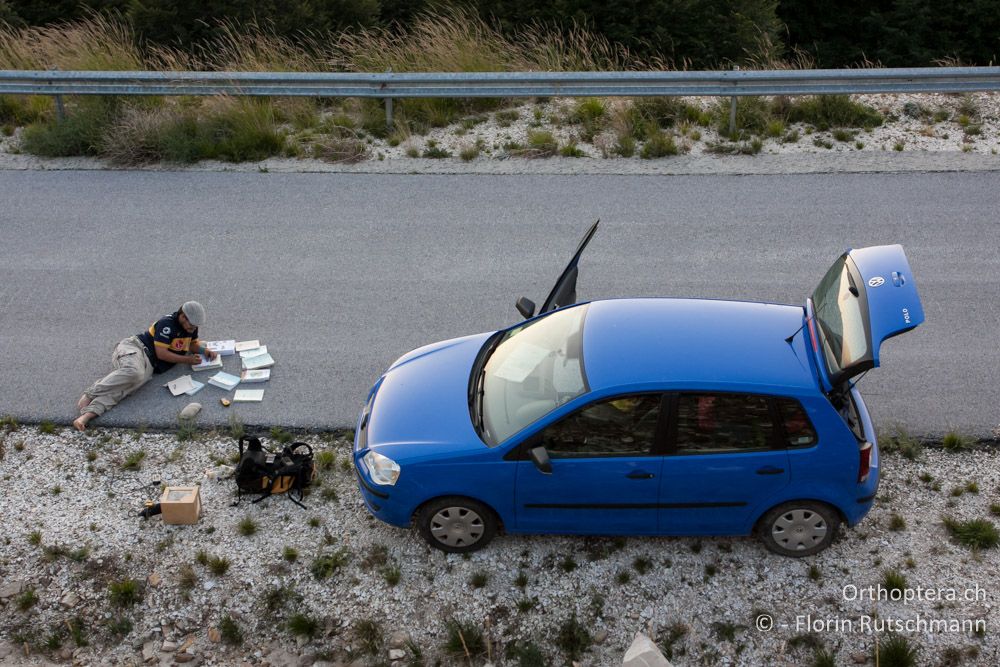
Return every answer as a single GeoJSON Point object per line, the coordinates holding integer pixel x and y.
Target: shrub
{"type": "Point", "coordinates": [625, 146]}
{"type": "Point", "coordinates": [954, 442]}
{"type": "Point", "coordinates": [230, 631]}
{"type": "Point", "coordinates": [290, 554]}
{"type": "Point", "coordinates": [469, 153]}
{"type": "Point", "coordinates": [571, 150]}
{"type": "Point", "coordinates": [302, 625]}
{"type": "Point", "coordinates": [134, 460]}
{"type": "Point", "coordinates": [247, 527]}
{"type": "Point", "coordinates": [27, 599]}
{"type": "Point", "coordinates": [326, 564]}
{"type": "Point", "coordinates": [80, 133]}
{"type": "Point", "coordinates": [124, 593]}
{"type": "Point", "coordinates": [826, 111]}
{"type": "Point", "coordinates": [218, 565]}
{"type": "Point", "coordinates": [540, 144]}
{"type": "Point", "coordinates": [573, 638]}
{"type": "Point", "coordinates": [894, 580]}
{"type": "Point", "coordinates": [896, 651]}
{"type": "Point", "coordinates": [370, 635]}
{"type": "Point", "coordinates": [976, 533]}
{"type": "Point", "coordinates": [753, 115]}
{"type": "Point", "coordinates": [479, 579]}
{"type": "Point", "coordinates": [465, 640]}
{"type": "Point", "coordinates": [897, 523]}
{"type": "Point", "coordinates": [658, 144]}
{"type": "Point", "coordinates": [346, 148]}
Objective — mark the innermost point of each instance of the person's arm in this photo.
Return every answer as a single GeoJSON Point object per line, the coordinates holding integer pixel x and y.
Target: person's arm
{"type": "Point", "coordinates": [164, 354]}
{"type": "Point", "coordinates": [199, 347]}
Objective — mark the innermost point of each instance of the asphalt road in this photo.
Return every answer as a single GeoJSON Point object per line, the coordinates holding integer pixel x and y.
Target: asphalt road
{"type": "Point", "coordinates": [340, 274]}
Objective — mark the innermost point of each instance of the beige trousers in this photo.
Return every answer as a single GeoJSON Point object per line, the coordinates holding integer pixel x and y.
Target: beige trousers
{"type": "Point", "coordinates": [132, 369]}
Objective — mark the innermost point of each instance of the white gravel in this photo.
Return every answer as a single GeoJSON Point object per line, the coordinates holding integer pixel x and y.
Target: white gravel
{"type": "Point", "coordinates": [714, 589]}
{"type": "Point", "coordinates": [925, 145]}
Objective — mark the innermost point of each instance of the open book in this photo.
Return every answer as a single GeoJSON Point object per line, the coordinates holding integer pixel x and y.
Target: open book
{"type": "Point", "coordinates": [184, 385]}
{"type": "Point", "coordinates": [224, 381]}
{"type": "Point", "coordinates": [208, 364]}
{"type": "Point", "coordinates": [259, 361]}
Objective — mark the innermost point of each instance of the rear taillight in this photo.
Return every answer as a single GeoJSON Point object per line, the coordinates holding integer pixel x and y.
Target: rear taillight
{"type": "Point", "coordinates": [865, 465]}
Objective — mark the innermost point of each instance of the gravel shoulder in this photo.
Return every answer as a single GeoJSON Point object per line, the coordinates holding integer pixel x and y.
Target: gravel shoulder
{"type": "Point", "coordinates": [700, 597]}
{"type": "Point", "coordinates": [911, 140]}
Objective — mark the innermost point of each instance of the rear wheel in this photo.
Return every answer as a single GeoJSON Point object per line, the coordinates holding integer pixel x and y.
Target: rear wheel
{"type": "Point", "coordinates": [456, 525]}
{"type": "Point", "coordinates": [799, 528]}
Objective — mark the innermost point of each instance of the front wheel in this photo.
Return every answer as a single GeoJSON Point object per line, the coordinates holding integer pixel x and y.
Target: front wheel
{"type": "Point", "coordinates": [799, 528]}
{"type": "Point", "coordinates": [456, 525]}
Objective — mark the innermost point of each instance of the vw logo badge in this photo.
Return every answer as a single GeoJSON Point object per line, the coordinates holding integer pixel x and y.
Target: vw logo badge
{"type": "Point", "coordinates": [877, 281]}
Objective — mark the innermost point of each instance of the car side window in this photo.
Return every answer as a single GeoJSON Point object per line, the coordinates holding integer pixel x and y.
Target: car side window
{"type": "Point", "coordinates": [622, 426]}
{"type": "Point", "coordinates": [716, 423]}
{"type": "Point", "coordinates": [799, 431]}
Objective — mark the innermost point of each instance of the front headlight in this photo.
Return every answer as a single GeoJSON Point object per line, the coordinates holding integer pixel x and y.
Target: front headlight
{"type": "Point", "coordinates": [382, 469]}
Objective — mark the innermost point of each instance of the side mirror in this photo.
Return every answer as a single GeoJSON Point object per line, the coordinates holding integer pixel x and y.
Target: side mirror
{"type": "Point", "coordinates": [540, 458]}
{"type": "Point", "coordinates": [526, 307]}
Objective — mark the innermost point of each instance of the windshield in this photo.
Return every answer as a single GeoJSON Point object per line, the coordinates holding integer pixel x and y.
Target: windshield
{"type": "Point", "coordinates": [533, 369]}
{"type": "Point", "coordinates": [841, 312]}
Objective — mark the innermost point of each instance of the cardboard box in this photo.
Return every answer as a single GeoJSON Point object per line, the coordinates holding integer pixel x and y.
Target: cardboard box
{"type": "Point", "coordinates": [181, 504]}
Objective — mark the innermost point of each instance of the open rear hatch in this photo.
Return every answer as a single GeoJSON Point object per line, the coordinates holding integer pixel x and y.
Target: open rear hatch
{"type": "Point", "coordinates": [866, 297]}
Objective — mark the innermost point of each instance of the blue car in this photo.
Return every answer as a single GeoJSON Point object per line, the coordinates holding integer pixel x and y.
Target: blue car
{"type": "Point", "coordinates": [659, 416]}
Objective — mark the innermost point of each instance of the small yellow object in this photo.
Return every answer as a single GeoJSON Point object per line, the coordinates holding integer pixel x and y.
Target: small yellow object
{"type": "Point", "coordinates": [225, 402]}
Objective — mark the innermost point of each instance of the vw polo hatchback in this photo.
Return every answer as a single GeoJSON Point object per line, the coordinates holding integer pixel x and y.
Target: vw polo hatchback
{"type": "Point", "coordinates": [653, 416]}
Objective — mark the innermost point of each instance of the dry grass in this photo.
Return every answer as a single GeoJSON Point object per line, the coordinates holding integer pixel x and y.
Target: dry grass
{"type": "Point", "coordinates": [96, 43]}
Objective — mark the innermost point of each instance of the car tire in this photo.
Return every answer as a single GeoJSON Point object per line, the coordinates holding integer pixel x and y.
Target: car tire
{"type": "Point", "coordinates": [799, 528]}
{"type": "Point", "coordinates": [456, 525]}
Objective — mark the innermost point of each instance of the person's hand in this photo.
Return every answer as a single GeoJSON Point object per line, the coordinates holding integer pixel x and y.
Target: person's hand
{"type": "Point", "coordinates": [195, 359]}
{"type": "Point", "coordinates": [211, 354]}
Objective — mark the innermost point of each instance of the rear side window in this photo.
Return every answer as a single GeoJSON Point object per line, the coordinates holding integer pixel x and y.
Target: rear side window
{"type": "Point", "coordinates": [624, 426]}
{"type": "Point", "coordinates": [715, 423]}
{"type": "Point", "coordinates": [799, 431]}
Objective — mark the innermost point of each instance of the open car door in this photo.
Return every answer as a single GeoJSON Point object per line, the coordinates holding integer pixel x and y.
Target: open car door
{"type": "Point", "coordinates": [564, 291]}
{"type": "Point", "coordinates": [867, 296]}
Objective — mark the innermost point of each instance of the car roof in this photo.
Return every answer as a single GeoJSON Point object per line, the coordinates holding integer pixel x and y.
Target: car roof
{"type": "Point", "coordinates": [696, 343]}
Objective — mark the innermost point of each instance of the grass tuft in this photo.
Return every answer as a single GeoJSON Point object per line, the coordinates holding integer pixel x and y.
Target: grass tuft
{"type": "Point", "coordinates": [230, 631]}
{"type": "Point", "coordinates": [976, 533]}
{"type": "Point", "coordinates": [124, 593]}
{"type": "Point", "coordinates": [465, 640]}
{"type": "Point", "coordinates": [896, 651]}
{"type": "Point", "coordinates": [325, 565]}
{"type": "Point", "coordinates": [301, 625]}
{"type": "Point", "coordinates": [573, 638]}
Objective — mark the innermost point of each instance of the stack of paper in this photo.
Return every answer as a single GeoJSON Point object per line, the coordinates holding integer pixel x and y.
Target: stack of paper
{"type": "Point", "coordinates": [245, 345]}
{"type": "Point", "coordinates": [254, 351]}
{"type": "Point", "coordinates": [184, 385]}
{"type": "Point", "coordinates": [262, 375]}
{"type": "Point", "coordinates": [224, 381]}
{"type": "Point", "coordinates": [225, 348]}
{"type": "Point", "coordinates": [248, 396]}
{"type": "Point", "coordinates": [208, 364]}
{"type": "Point", "coordinates": [258, 361]}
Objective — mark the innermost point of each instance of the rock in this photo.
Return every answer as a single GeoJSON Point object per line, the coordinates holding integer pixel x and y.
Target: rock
{"type": "Point", "coordinates": [399, 639]}
{"type": "Point", "coordinates": [644, 653]}
{"type": "Point", "coordinates": [154, 580]}
{"type": "Point", "coordinates": [214, 635]}
{"type": "Point", "coordinates": [69, 600]}
{"type": "Point", "coordinates": [190, 411]}
{"type": "Point", "coordinates": [859, 658]}
{"type": "Point", "coordinates": [65, 654]}
{"type": "Point", "coordinates": [11, 589]}
{"type": "Point", "coordinates": [208, 585]}
{"type": "Point", "coordinates": [600, 636]}
{"type": "Point", "coordinates": [169, 647]}
{"type": "Point", "coordinates": [396, 654]}
{"type": "Point", "coordinates": [183, 657]}
{"type": "Point", "coordinates": [282, 658]}
{"type": "Point", "coordinates": [6, 648]}
{"type": "Point", "coordinates": [149, 651]}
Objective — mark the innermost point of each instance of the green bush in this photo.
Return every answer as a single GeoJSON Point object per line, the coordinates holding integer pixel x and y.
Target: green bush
{"type": "Point", "coordinates": [826, 111]}
{"type": "Point", "coordinates": [80, 133]}
{"type": "Point", "coordinates": [21, 110]}
{"type": "Point", "coordinates": [658, 144]}
{"type": "Point", "coordinates": [124, 593]}
{"type": "Point", "coordinates": [753, 116]}
{"type": "Point", "coordinates": [976, 534]}
{"type": "Point", "coordinates": [541, 144]}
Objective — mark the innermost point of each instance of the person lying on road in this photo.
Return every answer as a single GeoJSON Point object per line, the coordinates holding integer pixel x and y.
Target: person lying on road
{"type": "Point", "coordinates": [170, 340]}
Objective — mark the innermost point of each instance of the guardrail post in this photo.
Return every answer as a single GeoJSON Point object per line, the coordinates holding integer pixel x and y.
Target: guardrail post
{"type": "Point", "coordinates": [732, 111]}
{"type": "Point", "coordinates": [388, 107]}
{"type": "Point", "coordinates": [60, 109]}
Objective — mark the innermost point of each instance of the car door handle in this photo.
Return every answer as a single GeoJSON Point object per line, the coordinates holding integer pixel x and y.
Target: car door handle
{"type": "Point", "coordinates": [770, 470]}
{"type": "Point", "coordinates": [640, 474]}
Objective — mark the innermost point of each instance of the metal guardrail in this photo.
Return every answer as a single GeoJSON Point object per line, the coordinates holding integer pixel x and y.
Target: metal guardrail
{"type": "Point", "coordinates": [391, 85]}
